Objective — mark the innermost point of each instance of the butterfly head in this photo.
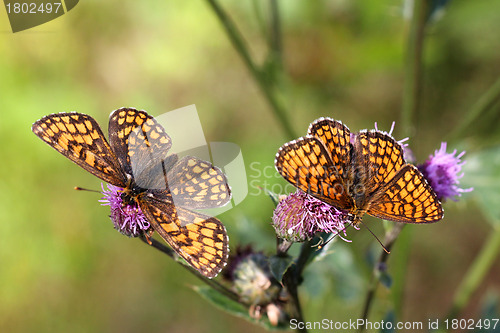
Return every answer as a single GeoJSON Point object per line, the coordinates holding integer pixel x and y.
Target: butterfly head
{"type": "Point", "coordinates": [355, 216]}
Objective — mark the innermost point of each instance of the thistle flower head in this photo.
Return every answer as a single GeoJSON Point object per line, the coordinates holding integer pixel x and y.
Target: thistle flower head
{"type": "Point", "coordinates": [127, 219]}
{"type": "Point", "coordinates": [299, 216]}
{"type": "Point", "coordinates": [253, 280]}
{"type": "Point", "coordinates": [443, 170]}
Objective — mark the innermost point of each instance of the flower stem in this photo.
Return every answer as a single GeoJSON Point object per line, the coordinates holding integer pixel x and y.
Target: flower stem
{"type": "Point", "coordinates": [479, 109]}
{"type": "Point", "coordinates": [390, 238]}
{"type": "Point", "coordinates": [293, 278]}
{"type": "Point", "coordinates": [476, 273]}
{"type": "Point", "coordinates": [275, 40]}
{"type": "Point", "coordinates": [259, 76]}
{"type": "Point", "coordinates": [413, 66]}
{"type": "Point", "coordinates": [212, 283]}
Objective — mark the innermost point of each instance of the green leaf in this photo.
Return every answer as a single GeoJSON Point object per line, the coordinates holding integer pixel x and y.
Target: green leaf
{"type": "Point", "coordinates": [279, 265]}
{"type": "Point", "coordinates": [482, 172]}
{"type": "Point", "coordinates": [221, 301]}
{"type": "Point", "coordinates": [232, 307]}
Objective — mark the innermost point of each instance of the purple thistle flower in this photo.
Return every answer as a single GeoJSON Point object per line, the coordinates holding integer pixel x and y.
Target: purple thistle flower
{"type": "Point", "coordinates": [442, 170]}
{"type": "Point", "coordinates": [127, 219]}
{"type": "Point", "coordinates": [299, 216]}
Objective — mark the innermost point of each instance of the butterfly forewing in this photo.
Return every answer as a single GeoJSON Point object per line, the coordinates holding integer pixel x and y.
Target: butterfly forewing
{"type": "Point", "coordinates": [307, 164]}
{"type": "Point", "coordinates": [199, 239]}
{"type": "Point", "coordinates": [335, 136]}
{"type": "Point", "coordinates": [407, 198]}
{"type": "Point", "coordinates": [140, 143]}
{"type": "Point", "coordinates": [79, 138]}
{"type": "Point", "coordinates": [378, 159]}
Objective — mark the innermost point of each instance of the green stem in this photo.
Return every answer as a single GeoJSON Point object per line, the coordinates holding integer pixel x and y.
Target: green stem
{"type": "Point", "coordinates": [399, 269]}
{"type": "Point", "coordinates": [293, 278]}
{"type": "Point", "coordinates": [413, 66]}
{"type": "Point", "coordinates": [260, 77]}
{"type": "Point", "coordinates": [476, 273]}
{"type": "Point", "coordinates": [276, 46]}
{"type": "Point", "coordinates": [390, 239]}
{"type": "Point", "coordinates": [212, 283]}
{"type": "Point", "coordinates": [480, 108]}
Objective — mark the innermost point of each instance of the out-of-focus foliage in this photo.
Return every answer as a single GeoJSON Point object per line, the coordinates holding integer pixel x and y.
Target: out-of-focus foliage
{"type": "Point", "coordinates": [64, 268]}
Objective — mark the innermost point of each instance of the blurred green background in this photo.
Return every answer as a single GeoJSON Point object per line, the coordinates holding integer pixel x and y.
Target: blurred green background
{"type": "Point", "coordinates": [63, 267]}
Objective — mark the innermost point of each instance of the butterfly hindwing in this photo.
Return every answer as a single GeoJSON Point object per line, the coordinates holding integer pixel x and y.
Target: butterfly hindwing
{"type": "Point", "coordinates": [198, 184]}
{"type": "Point", "coordinates": [378, 158]}
{"type": "Point", "coordinates": [199, 239]}
{"type": "Point", "coordinates": [407, 198]}
{"type": "Point", "coordinates": [78, 137]}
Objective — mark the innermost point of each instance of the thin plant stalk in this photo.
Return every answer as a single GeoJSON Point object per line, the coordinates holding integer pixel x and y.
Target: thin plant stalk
{"type": "Point", "coordinates": [259, 76]}
{"type": "Point", "coordinates": [479, 109]}
{"type": "Point", "coordinates": [275, 40]}
{"type": "Point", "coordinates": [212, 283]}
{"type": "Point", "coordinates": [476, 273]}
{"type": "Point", "coordinates": [389, 241]}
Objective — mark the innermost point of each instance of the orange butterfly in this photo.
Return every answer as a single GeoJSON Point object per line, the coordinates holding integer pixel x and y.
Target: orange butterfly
{"type": "Point", "coordinates": [359, 173]}
{"type": "Point", "coordinates": [137, 160]}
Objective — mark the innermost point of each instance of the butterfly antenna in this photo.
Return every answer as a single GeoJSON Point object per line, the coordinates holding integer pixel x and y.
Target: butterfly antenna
{"type": "Point", "coordinates": [378, 240]}
{"type": "Point", "coordinates": [322, 242]}
{"type": "Point", "coordinates": [85, 189]}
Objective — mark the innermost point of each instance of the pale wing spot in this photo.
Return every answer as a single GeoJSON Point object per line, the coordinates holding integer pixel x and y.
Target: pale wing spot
{"type": "Point", "coordinates": [154, 135]}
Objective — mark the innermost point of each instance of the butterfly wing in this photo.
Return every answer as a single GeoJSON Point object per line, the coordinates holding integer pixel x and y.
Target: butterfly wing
{"type": "Point", "coordinates": [78, 137]}
{"type": "Point", "coordinates": [336, 138]}
{"type": "Point", "coordinates": [307, 164]}
{"type": "Point", "coordinates": [199, 239]}
{"type": "Point", "coordinates": [141, 145]}
{"type": "Point", "coordinates": [197, 184]}
{"type": "Point", "coordinates": [377, 159]}
{"type": "Point", "coordinates": [407, 198]}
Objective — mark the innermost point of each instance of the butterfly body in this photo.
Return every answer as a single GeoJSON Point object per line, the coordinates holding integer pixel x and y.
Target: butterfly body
{"type": "Point", "coordinates": [138, 161]}
{"type": "Point", "coordinates": [360, 173]}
